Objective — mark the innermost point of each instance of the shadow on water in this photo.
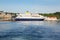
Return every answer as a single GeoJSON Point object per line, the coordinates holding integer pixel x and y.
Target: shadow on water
{"type": "Point", "coordinates": [30, 31]}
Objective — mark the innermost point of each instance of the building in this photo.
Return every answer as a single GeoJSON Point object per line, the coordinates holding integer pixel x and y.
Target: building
{"type": "Point", "coordinates": [52, 18]}
{"type": "Point", "coordinates": [6, 15]}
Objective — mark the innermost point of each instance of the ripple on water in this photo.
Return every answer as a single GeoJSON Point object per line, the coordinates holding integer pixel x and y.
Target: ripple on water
{"type": "Point", "coordinates": [28, 31]}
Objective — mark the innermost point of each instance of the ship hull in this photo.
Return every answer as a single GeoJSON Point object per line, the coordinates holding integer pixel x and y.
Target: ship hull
{"type": "Point", "coordinates": [19, 19]}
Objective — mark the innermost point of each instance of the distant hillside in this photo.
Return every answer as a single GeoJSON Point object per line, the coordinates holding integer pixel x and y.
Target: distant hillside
{"type": "Point", "coordinates": [57, 14]}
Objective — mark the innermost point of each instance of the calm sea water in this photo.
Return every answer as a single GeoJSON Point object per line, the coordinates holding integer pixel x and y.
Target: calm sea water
{"type": "Point", "coordinates": [30, 30]}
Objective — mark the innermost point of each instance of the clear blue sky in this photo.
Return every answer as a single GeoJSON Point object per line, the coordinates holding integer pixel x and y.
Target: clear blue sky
{"type": "Point", "coordinates": [33, 6]}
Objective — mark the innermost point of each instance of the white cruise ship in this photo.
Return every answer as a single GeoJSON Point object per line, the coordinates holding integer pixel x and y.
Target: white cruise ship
{"type": "Point", "coordinates": [29, 17]}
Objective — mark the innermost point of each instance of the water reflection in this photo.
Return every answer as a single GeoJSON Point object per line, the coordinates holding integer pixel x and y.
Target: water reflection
{"type": "Point", "coordinates": [30, 30]}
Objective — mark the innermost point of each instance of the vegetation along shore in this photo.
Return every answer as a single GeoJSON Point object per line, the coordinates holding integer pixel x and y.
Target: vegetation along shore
{"type": "Point", "coordinates": [56, 14]}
